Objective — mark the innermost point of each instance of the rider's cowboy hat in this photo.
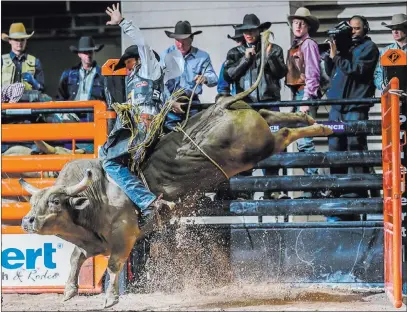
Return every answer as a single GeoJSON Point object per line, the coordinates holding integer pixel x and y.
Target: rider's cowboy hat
{"type": "Point", "coordinates": [304, 14]}
{"type": "Point", "coordinates": [251, 21]}
{"type": "Point", "coordinates": [399, 19]}
{"type": "Point", "coordinates": [86, 44]}
{"type": "Point", "coordinates": [238, 34]}
{"type": "Point", "coordinates": [182, 30]}
{"type": "Point", "coordinates": [17, 31]}
{"type": "Point", "coordinates": [130, 52]}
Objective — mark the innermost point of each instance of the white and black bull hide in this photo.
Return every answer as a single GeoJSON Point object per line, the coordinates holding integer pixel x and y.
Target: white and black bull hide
{"type": "Point", "coordinates": [89, 211]}
{"type": "Point", "coordinates": [101, 219]}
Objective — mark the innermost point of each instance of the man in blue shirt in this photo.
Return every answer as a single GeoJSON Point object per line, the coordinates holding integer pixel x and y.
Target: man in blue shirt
{"type": "Point", "coordinates": [198, 70]}
{"type": "Point", "coordinates": [398, 28]}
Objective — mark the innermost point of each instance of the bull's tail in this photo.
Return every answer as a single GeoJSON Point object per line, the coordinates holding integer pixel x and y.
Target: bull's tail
{"type": "Point", "coordinates": [227, 102]}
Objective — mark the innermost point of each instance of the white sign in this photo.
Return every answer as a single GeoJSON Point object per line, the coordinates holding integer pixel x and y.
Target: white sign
{"type": "Point", "coordinates": [34, 260]}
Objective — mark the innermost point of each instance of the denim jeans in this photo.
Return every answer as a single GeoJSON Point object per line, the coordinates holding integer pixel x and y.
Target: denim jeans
{"type": "Point", "coordinates": [128, 182]}
{"type": "Point", "coordinates": [306, 145]}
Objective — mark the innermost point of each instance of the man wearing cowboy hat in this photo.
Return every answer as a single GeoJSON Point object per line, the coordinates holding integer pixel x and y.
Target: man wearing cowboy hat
{"type": "Point", "coordinates": [398, 28]}
{"type": "Point", "coordinates": [83, 81]}
{"type": "Point", "coordinates": [19, 66]}
{"type": "Point", "coordinates": [223, 86]}
{"type": "Point", "coordinates": [144, 91]}
{"type": "Point", "coordinates": [198, 70]}
{"type": "Point", "coordinates": [303, 62]}
{"type": "Point", "coordinates": [243, 63]}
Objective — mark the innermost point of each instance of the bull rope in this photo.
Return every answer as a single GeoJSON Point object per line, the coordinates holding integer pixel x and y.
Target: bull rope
{"type": "Point", "coordinates": [179, 128]}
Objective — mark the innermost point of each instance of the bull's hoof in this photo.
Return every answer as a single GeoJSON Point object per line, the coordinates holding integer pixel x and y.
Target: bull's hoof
{"type": "Point", "coordinates": [70, 292]}
{"type": "Point", "coordinates": [110, 301]}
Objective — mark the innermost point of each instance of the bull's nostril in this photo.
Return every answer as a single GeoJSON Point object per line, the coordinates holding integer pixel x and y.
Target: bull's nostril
{"type": "Point", "coordinates": [31, 220]}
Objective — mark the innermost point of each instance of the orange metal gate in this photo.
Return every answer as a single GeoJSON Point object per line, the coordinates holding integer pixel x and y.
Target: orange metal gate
{"type": "Point", "coordinates": [90, 279]}
{"type": "Point", "coordinates": [393, 187]}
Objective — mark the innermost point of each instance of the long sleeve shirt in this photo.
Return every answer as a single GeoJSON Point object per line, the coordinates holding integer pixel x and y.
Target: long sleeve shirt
{"type": "Point", "coordinates": [150, 66]}
{"type": "Point", "coordinates": [310, 50]}
{"type": "Point", "coordinates": [197, 62]}
{"type": "Point", "coordinates": [353, 74]}
{"type": "Point", "coordinates": [379, 78]}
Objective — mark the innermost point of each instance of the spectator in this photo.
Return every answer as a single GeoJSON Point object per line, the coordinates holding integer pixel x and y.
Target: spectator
{"type": "Point", "coordinates": [223, 85]}
{"type": "Point", "coordinates": [243, 65]}
{"type": "Point", "coordinates": [352, 78]}
{"type": "Point", "coordinates": [303, 75]}
{"type": "Point", "coordinates": [18, 65]}
{"type": "Point", "coordinates": [84, 81]}
{"type": "Point", "coordinates": [198, 70]}
{"type": "Point", "coordinates": [398, 28]}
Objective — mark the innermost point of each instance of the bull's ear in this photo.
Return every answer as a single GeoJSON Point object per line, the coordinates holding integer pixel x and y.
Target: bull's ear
{"type": "Point", "coordinates": [79, 203]}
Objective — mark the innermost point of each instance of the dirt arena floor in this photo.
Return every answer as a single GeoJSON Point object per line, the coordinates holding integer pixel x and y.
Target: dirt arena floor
{"type": "Point", "coordinates": [245, 297]}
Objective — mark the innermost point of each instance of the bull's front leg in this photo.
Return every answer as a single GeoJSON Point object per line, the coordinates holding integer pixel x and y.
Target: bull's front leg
{"type": "Point", "coordinates": [286, 136]}
{"type": "Point", "coordinates": [125, 238]}
{"type": "Point", "coordinates": [114, 268]}
{"type": "Point", "coordinates": [71, 286]}
{"type": "Point", "coordinates": [286, 119]}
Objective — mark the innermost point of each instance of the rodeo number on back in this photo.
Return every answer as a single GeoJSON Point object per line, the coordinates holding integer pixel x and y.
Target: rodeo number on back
{"type": "Point", "coordinates": [14, 258]}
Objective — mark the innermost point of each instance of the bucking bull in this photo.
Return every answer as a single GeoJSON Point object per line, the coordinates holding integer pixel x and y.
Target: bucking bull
{"type": "Point", "coordinates": [93, 213]}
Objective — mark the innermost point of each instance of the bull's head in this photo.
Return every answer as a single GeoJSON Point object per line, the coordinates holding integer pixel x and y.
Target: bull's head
{"type": "Point", "coordinates": [53, 207]}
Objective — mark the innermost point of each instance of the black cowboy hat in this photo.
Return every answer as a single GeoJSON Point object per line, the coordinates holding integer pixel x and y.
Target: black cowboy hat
{"type": "Point", "coordinates": [86, 44]}
{"type": "Point", "coordinates": [251, 21]}
{"type": "Point", "coordinates": [131, 51]}
{"type": "Point", "coordinates": [238, 34]}
{"type": "Point", "coordinates": [182, 30]}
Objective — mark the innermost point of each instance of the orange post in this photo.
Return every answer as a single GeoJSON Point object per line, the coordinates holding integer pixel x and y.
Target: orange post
{"type": "Point", "coordinates": [392, 191]}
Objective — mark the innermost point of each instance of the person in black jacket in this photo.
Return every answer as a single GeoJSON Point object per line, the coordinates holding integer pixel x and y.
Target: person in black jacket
{"type": "Point", "coordinates": [352, 78]}
{"type": "Point", "coordinates": [242, 67]}
{"type": "Point", "coordinates": [243, 63]}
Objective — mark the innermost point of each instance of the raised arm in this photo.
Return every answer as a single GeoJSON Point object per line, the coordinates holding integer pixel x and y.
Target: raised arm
{"type": "Point", "coordinates": [150, 66]}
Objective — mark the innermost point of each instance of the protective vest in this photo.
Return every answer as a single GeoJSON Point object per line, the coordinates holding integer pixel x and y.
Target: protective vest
{"type": "Point", "coordinates": [8, 70]}
{"type": "Point", "coordinates": [145, 94]}
{"type": "Point", "coordinates": [296, 67]}
{"type": "Point", "coordinates": [147, 99]}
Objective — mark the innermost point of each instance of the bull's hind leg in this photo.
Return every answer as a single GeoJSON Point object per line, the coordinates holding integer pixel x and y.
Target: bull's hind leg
{"type": "Point", "coordinates": [71, 286]}
{"type": "Point", "coordinates": [286, 119]}
{"type": "Point", "coordinates": [286, 136]}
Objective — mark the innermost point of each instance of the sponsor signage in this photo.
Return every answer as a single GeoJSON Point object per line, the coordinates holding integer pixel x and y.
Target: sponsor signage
{"type": "Point", "coordinates": [34, 260]}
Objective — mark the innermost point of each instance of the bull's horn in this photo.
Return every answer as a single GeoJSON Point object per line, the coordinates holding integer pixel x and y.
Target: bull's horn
{"type": "Point", "coordinates": [45, 147]}
{"type": "Point", "coordinates": [28, 187]}
{"type": "Point", "coordinates": [81, 186]}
